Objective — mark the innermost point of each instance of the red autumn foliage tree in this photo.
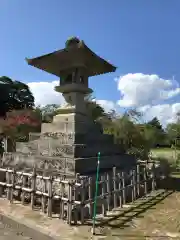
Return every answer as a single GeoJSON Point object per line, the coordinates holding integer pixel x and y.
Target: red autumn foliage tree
{"type": "Point", "coordinates": [18, 124]}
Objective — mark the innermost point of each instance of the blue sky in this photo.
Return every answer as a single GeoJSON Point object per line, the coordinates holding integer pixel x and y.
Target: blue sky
{"type": "Point", "coordinates": [137, 36]}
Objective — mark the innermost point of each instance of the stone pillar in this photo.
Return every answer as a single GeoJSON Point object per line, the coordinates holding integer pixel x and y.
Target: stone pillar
{"type": "Point", "coordinates": [76, 101]}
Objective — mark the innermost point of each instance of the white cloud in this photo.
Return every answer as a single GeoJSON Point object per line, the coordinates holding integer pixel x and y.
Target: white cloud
{"type": "Point", "coordinates": [166, 113]}
{"type": "Point", "coordinates": [140, 89]}
{"type": "Point", "coordinates": [145, 92]}
{"type": "Point", "coordinates": [44, 93]}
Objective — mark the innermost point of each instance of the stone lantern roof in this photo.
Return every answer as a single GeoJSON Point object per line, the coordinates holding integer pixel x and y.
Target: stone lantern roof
{"type": "Point", "coordinates": [75, 54]}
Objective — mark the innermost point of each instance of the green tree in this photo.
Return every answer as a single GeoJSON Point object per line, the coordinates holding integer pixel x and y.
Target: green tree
{"type": "Point", "coordinates": [134, 115]}
{"type": "Point", "coordinates": [155, 123]}
{"type": "Point", "coordinates": [48, 112]}
{"type": "Point", "coordinates": [94, 110]}
{"type": "Point", "coordinates": [128, 135]}
{"type": "Point", "coordinates": [173, 132]}
{"type": "Point", "coordinates": [150, 135]}
{"type": "Point", "coordinates": [14, 95]}
{"type": "Point", "coordinates": [156, 133]}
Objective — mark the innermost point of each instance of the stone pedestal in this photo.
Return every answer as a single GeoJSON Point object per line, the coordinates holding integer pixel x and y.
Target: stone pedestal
{"type": "Point", "coordinates": [70, 145]}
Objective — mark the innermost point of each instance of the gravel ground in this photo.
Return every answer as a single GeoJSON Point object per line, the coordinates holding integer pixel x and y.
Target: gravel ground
{"type": "Point", "coordinates": [8, 233]}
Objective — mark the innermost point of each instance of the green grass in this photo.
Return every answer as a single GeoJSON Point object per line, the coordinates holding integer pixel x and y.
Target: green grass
{"type": "Point", "coordinates": [175, 175]}
{"type": "Point", "coordinates": [167, 153]}
{"type": "Point", "coordinates": [159, 150]}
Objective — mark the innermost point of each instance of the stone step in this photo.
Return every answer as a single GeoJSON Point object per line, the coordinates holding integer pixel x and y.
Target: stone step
{"type": "Point", "coordinates": [53, 147]}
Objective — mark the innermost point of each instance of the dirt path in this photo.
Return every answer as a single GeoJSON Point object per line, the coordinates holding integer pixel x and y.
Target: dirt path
{"type": "Point", "coordinates": [9, 233]}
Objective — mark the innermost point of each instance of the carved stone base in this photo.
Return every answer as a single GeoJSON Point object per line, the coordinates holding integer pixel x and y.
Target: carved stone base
{"type": "Point", "coordinates": [67, 166]}
{"type": "Point", "coordinates": [69, 145]}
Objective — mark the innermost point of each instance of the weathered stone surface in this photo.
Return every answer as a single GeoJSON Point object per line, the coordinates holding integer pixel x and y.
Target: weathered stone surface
{"type": "Point", "coordinates": [70, 152]}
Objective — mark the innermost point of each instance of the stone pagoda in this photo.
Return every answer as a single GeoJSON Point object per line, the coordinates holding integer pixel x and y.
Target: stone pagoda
{"type": "Point", "coordinates": [71, 142]}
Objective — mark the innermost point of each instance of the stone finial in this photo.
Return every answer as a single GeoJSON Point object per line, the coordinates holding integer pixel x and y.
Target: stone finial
{"type": "Point", "coordinates": [72, 41]}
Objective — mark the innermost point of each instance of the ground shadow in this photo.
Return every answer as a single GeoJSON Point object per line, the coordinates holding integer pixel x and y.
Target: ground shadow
{"type": "Point", "coordinates": [170, 183]}
{"type": "Point", "coordinates": [137, 211]}
{"type": "Point", "coordinates": [134, 212]}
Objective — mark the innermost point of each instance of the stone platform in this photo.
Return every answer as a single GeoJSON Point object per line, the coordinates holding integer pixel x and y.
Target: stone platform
{"type": "Point", "coordinates": [69, 147]}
